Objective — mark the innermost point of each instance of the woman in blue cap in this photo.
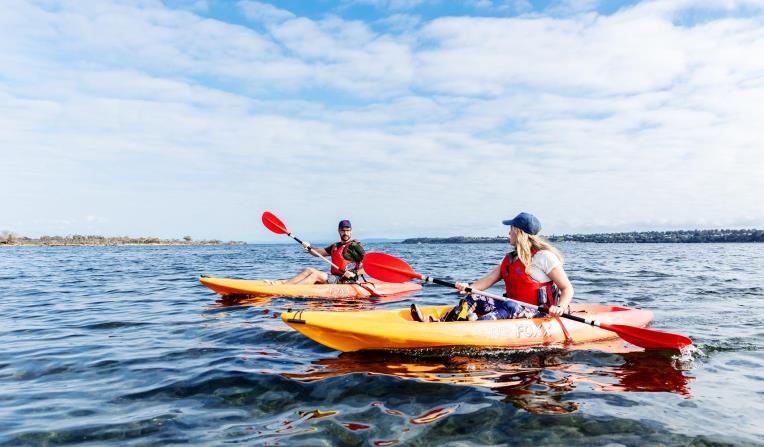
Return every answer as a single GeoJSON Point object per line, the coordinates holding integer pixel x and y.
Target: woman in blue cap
{"type": "Point", "coordinates": [532, 273]}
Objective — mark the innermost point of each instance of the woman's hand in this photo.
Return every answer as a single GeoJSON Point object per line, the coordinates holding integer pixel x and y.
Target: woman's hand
{"type": "Point", "coordinates": [560, 278]}
{"type": "Point", "coordinates": [306, 246]}
{"type": "Point", "coordinates": [460, 286]}
{"type": "Point", "coordinates": [349, 274]}
{"type": "Point", "coordinates": [556, 311]}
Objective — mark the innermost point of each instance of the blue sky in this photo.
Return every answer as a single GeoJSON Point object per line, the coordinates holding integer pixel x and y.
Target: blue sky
{"type": "Point", "coordinates": [409, 117]}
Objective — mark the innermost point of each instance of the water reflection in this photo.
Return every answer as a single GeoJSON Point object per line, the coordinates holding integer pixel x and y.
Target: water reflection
{"type": "Point", "coordinates": [273, 432]}
{"type": "Point", "coordinates": [538, 381]}
{"type": "Point", "coordinates": [308, 303]}
{"type": "Point", "coordinates": [241, 300]}
{"type": "Point", "coordinates": [650, 372]}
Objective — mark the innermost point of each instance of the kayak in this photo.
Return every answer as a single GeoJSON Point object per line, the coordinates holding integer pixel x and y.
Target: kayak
{"type": "Point", "coordinates": [395, 329]}
{"type": "Point", "coordinates": [225, 286]}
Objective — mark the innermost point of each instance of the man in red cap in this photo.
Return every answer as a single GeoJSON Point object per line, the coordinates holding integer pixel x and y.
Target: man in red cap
{"type": "Point", "coordinates": [346, 255]}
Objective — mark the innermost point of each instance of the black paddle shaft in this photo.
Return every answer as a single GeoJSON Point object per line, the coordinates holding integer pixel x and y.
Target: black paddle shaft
{"type": "Point", "coordinates": [294, 237]}
{"type": "Point", "coordinates": [538, 308]}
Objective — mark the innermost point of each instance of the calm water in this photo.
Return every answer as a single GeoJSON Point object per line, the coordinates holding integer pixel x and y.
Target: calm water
{"type": "Point", "coordinates": [123, 346]}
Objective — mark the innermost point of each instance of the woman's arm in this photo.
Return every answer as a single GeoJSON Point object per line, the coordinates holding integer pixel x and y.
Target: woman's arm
{"type": "Point", "coordinates": [483, 283]}
{"type": "Point", "coordinates": [560, 279]}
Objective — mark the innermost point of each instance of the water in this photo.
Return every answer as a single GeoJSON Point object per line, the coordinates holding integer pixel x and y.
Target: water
{"type": "Point", "coordinates": [123, 346]}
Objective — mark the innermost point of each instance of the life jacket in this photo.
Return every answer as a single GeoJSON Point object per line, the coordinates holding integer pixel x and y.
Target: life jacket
{"type": "Point", "coordinates": [520, 286]}
{"type": "Point", "coordinates": [338, 258]}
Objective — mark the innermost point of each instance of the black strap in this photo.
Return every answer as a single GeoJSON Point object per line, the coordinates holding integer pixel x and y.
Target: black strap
{"type": "Point", "coordinates": [548, 296]}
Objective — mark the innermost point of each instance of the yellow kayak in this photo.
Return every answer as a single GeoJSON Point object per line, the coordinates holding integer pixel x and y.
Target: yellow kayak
{"type": "Point", "coordinates": [394, 329]}
{"type": "Point", "coordinates": [225, 286]}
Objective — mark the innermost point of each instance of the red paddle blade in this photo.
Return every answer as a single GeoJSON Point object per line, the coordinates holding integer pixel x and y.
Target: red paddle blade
{"type": "Point", "coordinates": [274, 224]}
{"type": "Point", "coordinates": [388, 268]}
{"type": "Point", "coordinates": [648, 338]}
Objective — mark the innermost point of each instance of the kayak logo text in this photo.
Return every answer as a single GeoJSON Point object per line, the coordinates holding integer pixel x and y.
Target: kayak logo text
{"type": "Point", "coordinates": [530, 330]}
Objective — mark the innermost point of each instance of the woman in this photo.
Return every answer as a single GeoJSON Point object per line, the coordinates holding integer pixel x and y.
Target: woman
{"type": "Point", "coordinates": [531, 273]}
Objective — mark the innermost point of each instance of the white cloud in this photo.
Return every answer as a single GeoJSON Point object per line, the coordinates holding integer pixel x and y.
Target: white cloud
{"type": "Point", "coordinates": [264, 11]}
{"type": "Point", "coordinates": [400, 22]}
{"type": "Point", "coordinates": [349, 55]}
{"type": "Point", "coordinates": [570, 7]}
{"type": "Point", "coordinates": [600, 55]}
{"type": "Point", "coordinates": [390, 4]}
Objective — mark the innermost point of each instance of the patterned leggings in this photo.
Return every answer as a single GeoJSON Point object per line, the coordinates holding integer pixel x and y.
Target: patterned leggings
{"type": "Point", "coordinates": [489, 309]}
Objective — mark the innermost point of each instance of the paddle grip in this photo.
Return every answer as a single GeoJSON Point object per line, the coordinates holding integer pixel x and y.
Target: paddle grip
{"type": "Point", "coordinates": [441, 282]}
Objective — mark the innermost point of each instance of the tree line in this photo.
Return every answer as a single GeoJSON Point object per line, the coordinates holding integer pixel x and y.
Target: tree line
{"type": "Point", "coordinates": [677, 236]}
{"type": "Point", "coordinates": [635, 237]}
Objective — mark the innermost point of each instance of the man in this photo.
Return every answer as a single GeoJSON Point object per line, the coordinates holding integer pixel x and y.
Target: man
{"type": "Point", "coordinates": [346, 254]}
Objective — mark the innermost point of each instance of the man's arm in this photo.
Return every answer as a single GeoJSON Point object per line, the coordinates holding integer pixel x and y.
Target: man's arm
{"type": "Point", "coordinates": [321, 251]}
{"type": "Point", "coordinates": [357, 252]}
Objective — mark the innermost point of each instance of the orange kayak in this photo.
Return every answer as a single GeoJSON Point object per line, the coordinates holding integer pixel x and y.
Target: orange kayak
{"type": "Point", "coordinates": [394, 329]}
{"type": "Point", "coordinates": [225, 286]}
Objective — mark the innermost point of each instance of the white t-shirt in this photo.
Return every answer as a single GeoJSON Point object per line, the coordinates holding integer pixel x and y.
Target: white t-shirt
{"type": "Point", "coordinates": [543, 262]}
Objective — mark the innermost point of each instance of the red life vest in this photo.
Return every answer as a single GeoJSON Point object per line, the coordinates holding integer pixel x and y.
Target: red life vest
{"type": "Point", "coordinates": [338, 258]}
{"type": "Point", "coordinates": [520, 286]}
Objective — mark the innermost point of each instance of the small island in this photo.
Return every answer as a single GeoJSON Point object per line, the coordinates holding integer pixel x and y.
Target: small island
{"type": "Point", "coordinates": [9, 238]}
{"type": "Point", "coordinates": [634, 237]}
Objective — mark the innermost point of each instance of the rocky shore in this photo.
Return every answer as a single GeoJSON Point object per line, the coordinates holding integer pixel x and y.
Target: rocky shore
{"type": "Point", "coordinates": [12, 239]}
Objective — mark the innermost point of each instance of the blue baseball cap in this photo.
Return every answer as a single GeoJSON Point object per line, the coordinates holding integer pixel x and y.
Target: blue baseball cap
{"type": "Point", "coordinates": [526, 222]}
{"type": "Point", "coordinates": [344, 223]}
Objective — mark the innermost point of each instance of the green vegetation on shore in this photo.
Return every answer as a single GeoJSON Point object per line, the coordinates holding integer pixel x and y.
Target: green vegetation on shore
{"type": "Point", "coordinates": [679, 236]}
{"type": "Point", "coordinates": [10, 238]}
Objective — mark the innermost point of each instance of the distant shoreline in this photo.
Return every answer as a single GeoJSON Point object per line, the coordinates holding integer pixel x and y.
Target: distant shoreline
{"type": "Point", "coordinates": [634, 237]}
{"type": "Point", "coordinates": [680, 236]}
{"type": "Point", "coordinates": [161, 244]}
{"type": "Point", "coordinates": [12, 240]}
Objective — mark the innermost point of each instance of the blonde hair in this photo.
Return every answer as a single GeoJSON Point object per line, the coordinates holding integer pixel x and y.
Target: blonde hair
{"type": "Point", "coordinates": [525, 243]}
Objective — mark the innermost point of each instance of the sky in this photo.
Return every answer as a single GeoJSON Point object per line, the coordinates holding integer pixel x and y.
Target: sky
{"type": "Point", "coordinates": [408, 117]}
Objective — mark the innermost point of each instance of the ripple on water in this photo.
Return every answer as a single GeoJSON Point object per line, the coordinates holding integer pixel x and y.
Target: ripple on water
{"type": "Point", "coordinates": [122, 345]}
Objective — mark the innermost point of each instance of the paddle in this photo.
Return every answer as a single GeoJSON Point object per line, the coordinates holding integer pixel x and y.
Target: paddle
{"type": "Point", "coordinates": [275, 224]}
{"type": "Point", "coordinates": [389, 268]}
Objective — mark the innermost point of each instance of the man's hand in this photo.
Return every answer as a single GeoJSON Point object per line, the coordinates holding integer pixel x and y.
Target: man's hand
{"type": "Point", "coordinates": [306, 246]}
